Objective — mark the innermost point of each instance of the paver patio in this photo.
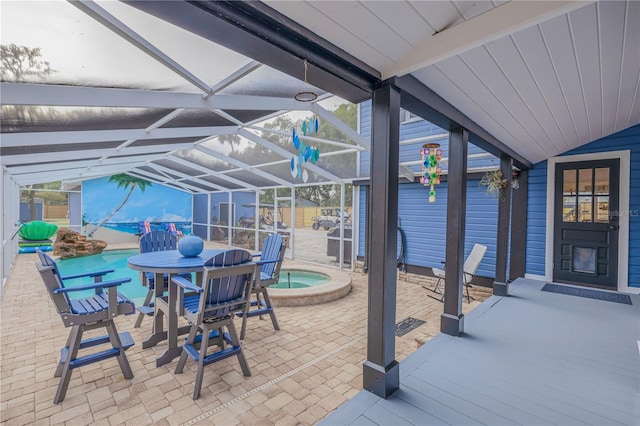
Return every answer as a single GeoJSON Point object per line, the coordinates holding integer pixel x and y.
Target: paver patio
{"type": "Point", "coordinates": [299, 374]}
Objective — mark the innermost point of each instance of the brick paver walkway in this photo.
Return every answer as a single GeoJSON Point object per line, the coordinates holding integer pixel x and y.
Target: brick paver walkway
{"type": "Point", "coordinates": [300, 373]}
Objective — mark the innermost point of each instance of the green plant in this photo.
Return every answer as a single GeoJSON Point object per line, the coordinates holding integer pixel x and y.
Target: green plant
{"type": "Point", "coordinates": [495, 183]}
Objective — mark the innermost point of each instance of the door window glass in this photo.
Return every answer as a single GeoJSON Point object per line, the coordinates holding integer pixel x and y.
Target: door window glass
{"type": "Point", "coordinates": [585, 195]}
{"type": "Point", "coordinates": [569, 196]}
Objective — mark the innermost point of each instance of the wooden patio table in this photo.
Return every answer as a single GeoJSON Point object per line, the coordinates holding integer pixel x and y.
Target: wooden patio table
{"type": "Point", "coordinates": [169, 262]}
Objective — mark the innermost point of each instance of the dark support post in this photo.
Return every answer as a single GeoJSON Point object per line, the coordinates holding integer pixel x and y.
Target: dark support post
{"type": "Point", "coordinates": [501, 285]}
{"type": "Point", "coordinates": [381, 373]}
{"type": "Point", "coordinates": [519, 202]}
{"type": "Point", "coordinates": [367, 221]}
{"type": "Point", "coordinates": [452, 320]}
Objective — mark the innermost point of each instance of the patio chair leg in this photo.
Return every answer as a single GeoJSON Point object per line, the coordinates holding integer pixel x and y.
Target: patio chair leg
{"type": "Point", "coordinates": [204, 344]}
{"type": "Point", "coordinates": [116, 343]}
{"type": "Point", "coordinates": [435, 289]}
{"type": "Point", "coordinates": [141, 315]}
{"type": "Point", "coordinates": [75, 337]}
{"type": "Point", "coordinates": [272, 313]}
{"type": "Point", "coordinates": [468, 295]}
{"type": "Point", "coordinates": [58, 372]}
{"type": "Point", "coordinates": [243, 328]}
{"type": "Point", "coordinates": [258, 302]}
{"type": "Point", "coordinates": [236, 342]}
{"type": "Point", "coordinates": [183, 356]}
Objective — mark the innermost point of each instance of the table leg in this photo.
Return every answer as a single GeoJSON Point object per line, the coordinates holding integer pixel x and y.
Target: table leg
{"type": "Point", "coordinates": [173, 331]}
{"type": "Point", "coordinates": [158, 334]}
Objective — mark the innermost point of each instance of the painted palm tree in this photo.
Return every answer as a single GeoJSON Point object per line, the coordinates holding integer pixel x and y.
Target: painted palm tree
{"type": "Point", "coordinates": [123, 181]}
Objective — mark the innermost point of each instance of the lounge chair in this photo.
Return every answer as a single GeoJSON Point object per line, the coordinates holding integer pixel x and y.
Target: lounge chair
{"type": "Point", "coordinates": [470, 267]}
{"type": "Point", "coordinates": [144, 227]}
{"type": "Point", "coordinates": [83, 314]}
{"type": "Point", "coordinates": [171, 227]}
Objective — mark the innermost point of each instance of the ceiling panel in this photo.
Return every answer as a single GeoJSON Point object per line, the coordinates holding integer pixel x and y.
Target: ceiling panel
{"type": "Point", "coordinates": [583, 24]}
{"type": "Point", "coordinates": [612, 44]}
{"type": "Point", "coordinates": [533, 48]}
{"type": "Point", "coordinates": [439, 14]}
{"type": "Point", "coordinates": [557, 35]}
{"type": "Point", "coordinates": [402, 17]}
{"type": "Point", "coordinates": [480, 62]}
{"type": "Point", "coordinates": [510, 60]}
{"type": "Point", "coordinates": [628, 97]}
{"type": "Point", "coordinates": [312, 16]}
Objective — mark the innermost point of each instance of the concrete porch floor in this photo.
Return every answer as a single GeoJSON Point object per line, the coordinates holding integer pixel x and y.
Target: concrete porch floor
{"type": "Point", "coordinates": [299, 374]}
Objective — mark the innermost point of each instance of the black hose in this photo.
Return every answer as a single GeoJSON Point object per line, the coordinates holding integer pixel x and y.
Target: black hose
{"type": "Point", "coordinates": [401, 257]}
{"type": "Point", "coordinates": [400, 264]}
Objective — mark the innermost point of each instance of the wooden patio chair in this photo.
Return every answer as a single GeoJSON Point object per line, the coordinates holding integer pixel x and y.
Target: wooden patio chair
{"type": "Point", "coordinates": [210, 308]}
{"type": "Point", "coordinates": [83, 314]}
{"type": "Point", "coordinates": [270, 262]}
{"type": "Point", "coordinates": [154, 241]}
{"type": "Point", "coordinates": [470, 267]}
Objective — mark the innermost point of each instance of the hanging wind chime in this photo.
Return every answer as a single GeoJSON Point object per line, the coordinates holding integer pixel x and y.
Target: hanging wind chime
{"type": "Point", "coordinates": [431, 156]}
{"type": "Point", "coordinates": [308, 127]}
{"type": "Point", "coordinates": [304, 152]}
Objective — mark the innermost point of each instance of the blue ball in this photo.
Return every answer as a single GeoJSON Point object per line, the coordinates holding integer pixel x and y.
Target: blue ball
{"type": "Point", "coordinates": [190, 245]}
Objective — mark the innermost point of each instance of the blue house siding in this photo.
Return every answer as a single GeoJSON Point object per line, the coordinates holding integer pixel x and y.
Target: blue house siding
{"type": "Point", "coordinates": [425, 223]}
{"type": "Point", "coordinates": [536, 219]}
{"type": "Point", "coordinates": [628, 139]}
{"type": "Point", "coordinates": [411, 152]}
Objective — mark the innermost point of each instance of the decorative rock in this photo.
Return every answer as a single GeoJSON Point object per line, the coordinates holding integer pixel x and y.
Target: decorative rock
{"type": "Point", "coordinates": [73, 244]}
{"type": "Point", "coordinates": [190, 245]}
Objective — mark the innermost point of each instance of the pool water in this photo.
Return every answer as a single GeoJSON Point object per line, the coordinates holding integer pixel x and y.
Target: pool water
{"type": "Point", "coordinates": [111, 259]}
{"type": "Point", "coordinates": [300, 279]}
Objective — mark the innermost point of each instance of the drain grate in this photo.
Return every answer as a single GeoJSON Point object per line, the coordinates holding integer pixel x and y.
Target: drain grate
{"type": "Point", "coordinates": [406, 325]}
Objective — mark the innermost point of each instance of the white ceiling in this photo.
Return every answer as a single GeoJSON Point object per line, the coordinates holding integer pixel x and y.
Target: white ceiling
{"type": "Point", "coordinates": [542, 77]}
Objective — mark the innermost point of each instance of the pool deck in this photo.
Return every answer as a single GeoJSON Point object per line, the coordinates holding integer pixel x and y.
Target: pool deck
{"type": "Point", "coordinates": [300, 373]}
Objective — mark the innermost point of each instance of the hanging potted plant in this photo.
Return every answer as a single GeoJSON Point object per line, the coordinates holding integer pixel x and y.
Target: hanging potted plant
{"type": "Point", "coordinates": [495, 184]}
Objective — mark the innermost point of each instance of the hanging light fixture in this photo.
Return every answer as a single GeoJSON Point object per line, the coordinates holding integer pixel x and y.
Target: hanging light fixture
{"type": "Point", "coordinates": [305, 96]}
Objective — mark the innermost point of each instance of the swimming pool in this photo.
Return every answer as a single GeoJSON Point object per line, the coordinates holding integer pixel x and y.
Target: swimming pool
{"type": "Point", "coordinates": [110, 259]}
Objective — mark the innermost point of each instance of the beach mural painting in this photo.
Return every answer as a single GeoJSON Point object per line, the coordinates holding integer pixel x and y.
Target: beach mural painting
{"type": "Point", "coordinates": [125, 203]}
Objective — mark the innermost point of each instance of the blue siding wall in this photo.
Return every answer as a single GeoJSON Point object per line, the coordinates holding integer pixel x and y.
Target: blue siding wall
{"type": "Point", "coordinates": [411, 152]}
{"type": "Point", "coordinates": [425, 223]}
{"type": "Point", "coordinates": [536, 219]}
{"type": "Point", "coordinates": [628, 139]}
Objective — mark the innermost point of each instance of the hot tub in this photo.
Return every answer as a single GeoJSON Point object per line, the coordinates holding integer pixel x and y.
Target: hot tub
{"type": "Point", "coordinates": [311, 285]}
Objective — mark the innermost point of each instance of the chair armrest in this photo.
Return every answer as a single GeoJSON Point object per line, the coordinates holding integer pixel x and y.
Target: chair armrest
{"type": "Point", "coordinates": [186, 284]}
{"type": "Point", "coordinates": [105, 284]}
{"type": "Point", "coordinates": [89, 274]}
{"type": "Point", "coordinates": [264, 262]}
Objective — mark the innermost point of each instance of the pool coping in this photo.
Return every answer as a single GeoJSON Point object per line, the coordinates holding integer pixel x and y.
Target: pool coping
{"type": "Point", "coordinates": [338, 287]}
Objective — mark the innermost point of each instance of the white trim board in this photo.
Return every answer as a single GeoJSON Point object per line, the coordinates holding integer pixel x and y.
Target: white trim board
{"type": "Point", "coordinates": [623, 237]}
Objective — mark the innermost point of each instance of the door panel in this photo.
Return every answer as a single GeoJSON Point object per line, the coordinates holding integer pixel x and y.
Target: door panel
{"type": "Point", "coordinates": [586, 223]}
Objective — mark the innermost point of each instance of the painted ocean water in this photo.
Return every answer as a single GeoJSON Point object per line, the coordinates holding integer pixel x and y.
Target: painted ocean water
{"type": "Point", "coordinates": [133, 227]}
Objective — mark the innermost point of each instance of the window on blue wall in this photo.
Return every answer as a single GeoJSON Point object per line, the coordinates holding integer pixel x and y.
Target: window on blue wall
{"type": "Point", "coordinates": [406, 116]}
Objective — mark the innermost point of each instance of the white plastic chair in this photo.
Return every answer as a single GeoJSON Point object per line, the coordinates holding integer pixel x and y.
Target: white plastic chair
{"type": "Point", "coordinates": [470, 267]}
